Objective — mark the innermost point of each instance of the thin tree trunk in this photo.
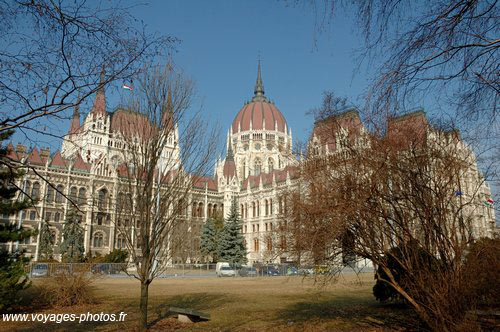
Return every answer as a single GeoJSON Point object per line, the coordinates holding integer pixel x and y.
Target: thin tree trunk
{"type": "Point", "coordinates": [143, 322]}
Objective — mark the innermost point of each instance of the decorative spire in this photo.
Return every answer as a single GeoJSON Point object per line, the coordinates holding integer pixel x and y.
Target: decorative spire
{"type": "Point", "coordinates": [100, 99]}
{"type": "Point", "coordinates": [230, 154]}
{"type": "Point", "coordinates": [75, 121]}
{"type": "Point", "coordinates": [259, 87]}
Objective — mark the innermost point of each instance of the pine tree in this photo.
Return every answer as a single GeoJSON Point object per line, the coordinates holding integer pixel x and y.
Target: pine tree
{"type": "Point", "coordinates": [210, 238]}
{"type": "Point", "coordinates": [231, 244]}
{"type": "Point", "coordinates": [45, 249]}
{"type": "Point", "coordinates": [12, 275]}
{"type": "Point", "coordinates": [72, 248]}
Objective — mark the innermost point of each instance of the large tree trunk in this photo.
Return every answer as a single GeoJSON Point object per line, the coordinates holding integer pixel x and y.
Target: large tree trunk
{"type": "Point", "coordinates": [143, 322]}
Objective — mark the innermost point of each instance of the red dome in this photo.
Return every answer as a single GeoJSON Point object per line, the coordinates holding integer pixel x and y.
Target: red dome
{"type": "Point", "coordinates": [262, 115]}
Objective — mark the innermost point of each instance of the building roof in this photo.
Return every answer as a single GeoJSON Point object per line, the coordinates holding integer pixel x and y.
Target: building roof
{"type": "Point", "coordinates": [260, 113]}
{"type": "Point", "coordinates": [326, 130]}
{"type": "Point", "coordinates": [34, 158]}
{"type": "Point", "coordinates": [58, 161]}
{"type": "Point", "coordinates": [80, 164]}
{"type": "Point", "coordinates": [199, 182]}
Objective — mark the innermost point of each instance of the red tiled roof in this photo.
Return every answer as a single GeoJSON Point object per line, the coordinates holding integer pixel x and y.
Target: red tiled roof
{"type": "Point", "coordinates": [34, 158]}
{"type": "Point", "coordinates": [229, 169]}
{"type": "Point", "coordinates": [259, 113]}
{"type": "Point", "coordinates": [58, 161]}
{"type": "Point", "coordinates": [131, 123]}
{"type": "Point", "coordinates": [407, 129]}
{"type": "Point", "coordinates": [99, 106]}
{"type": "Point", "coordinates": [11, 152]}
{"type": "Point", "coordinates": [200, 181]}
{"type": "Point", "coordinates": [326, 130]}
{"type": "Point", "coordinates": [80, 164]}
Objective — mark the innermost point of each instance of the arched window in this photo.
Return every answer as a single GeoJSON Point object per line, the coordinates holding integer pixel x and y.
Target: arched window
{"type": "Point", "coordinates": [201, 212]}
{"type": "Point", "coordinates": [269, 244]}
{"type": "Point", "coordinates": [120, 241]}
{"type": "Point", "coordinates": [102, 202]}
{"type": "Point", "coordinates": [256, 245]}
{"type": "Point", "coordinates": [98, 240]}
{"type": "Point", "coordinates": [267, 207]}
{"type": "Point", "coordinates": [253, 210]}
{"type": "Point", "coordinates": [242, 210]}
{"type": "Point", "coordinates": [73, 194]}
{"type": "Point", "coordinates": [210, 210]}
{"type": "Point", "coordinates": [27, 187]}
{"type": "Point", "coordinates": [82, 196]}
{"type": "Point", "coordinates": [194, 209]}
{"type": "Point", "coordinates": [35, 191]}
{"type": "Point", "coordinates": [258, 208]}
{"type": "Point", "coordinates": [246, 210]}
{"type": "Point", "coordinates": [50, 194]}
{"type": "Point", "coordinates": [57, 217]}
{"type": "Point", "coordinates": [270, 206]}
{"type": "Point", "coordinates": [257, 166]}
{"type": "Point", "coordinates": [59, 195]}
{"type": "Point", "coordinates": [243, 170]}
{"type": "Point", "coordinates": [270, 165]}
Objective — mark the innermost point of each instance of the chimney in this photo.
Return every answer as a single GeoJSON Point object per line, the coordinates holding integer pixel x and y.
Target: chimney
{"type": "Point", "coordinates": [44, 152]}
{"type": "Point", "coordinates": [20, 148]}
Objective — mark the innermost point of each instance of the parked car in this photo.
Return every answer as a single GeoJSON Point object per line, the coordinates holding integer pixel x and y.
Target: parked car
{"type": "Point", "coordinates": [271, 271]}
{"type": "Point", "coordinates": [219, 266]}
{"type": "Point", "coordinates": [291, 271]}
{"type": "Point", "coordinates": [66, 269]}
{"type": "Point", "coordinates": [304, 271]}
{"type": "Point", "coordinates": [247, 272]}
{"type": "Point", "coordinates": [227, 271]}
{"type": "Point", "coordinates": [40, 270]}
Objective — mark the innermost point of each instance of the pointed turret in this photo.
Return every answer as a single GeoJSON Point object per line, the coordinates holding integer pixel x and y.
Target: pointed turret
{"type": "Point", "coordinates": [100, 99]}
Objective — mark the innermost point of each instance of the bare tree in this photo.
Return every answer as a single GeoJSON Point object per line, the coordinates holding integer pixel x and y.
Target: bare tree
{"type": "Point", "coordinates": [414, 190]}
{"type": "Point", "coordinates": [53, 53]}
{"type": "Point", "coordinates": [166, 148]}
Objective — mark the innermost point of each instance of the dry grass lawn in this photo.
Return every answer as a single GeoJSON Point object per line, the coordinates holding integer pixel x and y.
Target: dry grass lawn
{"type": "Point", "coordinates": [237, 304]}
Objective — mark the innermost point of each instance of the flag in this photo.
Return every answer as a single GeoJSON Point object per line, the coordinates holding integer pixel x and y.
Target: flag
{"type": "Point", "coordinates": [127, 87]}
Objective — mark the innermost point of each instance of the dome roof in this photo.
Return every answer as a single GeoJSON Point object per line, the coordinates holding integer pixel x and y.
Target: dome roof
{"type": "Point", "coordinates": [259, 114]}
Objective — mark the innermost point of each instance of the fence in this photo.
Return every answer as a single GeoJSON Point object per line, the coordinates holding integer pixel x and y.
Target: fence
{"type": "Point", "coordinates": [36, 270]}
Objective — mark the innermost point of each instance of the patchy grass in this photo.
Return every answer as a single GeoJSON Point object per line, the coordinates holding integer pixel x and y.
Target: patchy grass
{"type": "Point", "coordinates": [238, 304]}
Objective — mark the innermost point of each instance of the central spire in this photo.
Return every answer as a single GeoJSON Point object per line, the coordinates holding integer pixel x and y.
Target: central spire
{"type": "Point", "coordinates": [259, 87]}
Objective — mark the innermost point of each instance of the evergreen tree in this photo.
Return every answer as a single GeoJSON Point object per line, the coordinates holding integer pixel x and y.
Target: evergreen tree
{"type": "Point", "coordinates": [72, 248]}
{"type": "Point", "coordinates": [12, 275]}
{"type": "Point", "coordinates": [45, 249]}
{"type": "Point", "coordinates": [210, 238]}
{"type": "Point", "coordinates": [231, 244]}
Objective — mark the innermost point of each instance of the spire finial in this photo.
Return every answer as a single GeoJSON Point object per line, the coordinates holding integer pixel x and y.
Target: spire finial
{"type": "Point", "coordinates": [259, 86]}
{"type": "Point", "coordinates": [230, 154]}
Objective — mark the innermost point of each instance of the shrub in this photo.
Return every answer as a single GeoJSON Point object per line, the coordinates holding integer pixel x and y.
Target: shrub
{"type": "Point", "coordinates": [481, 272]}
{"type": "Point", "coordinates": [414, 258]}
{"type": "Point", "coordinates": [116, 256]}
{"type": "Point", "coordinates": [67, 289]}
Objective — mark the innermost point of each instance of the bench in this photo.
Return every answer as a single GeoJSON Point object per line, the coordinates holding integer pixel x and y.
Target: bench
{"type": "Point", "coordinates": [189, 315]}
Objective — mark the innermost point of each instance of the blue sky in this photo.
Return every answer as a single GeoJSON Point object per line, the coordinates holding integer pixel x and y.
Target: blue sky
{"type": "Point", "coordinates": [221, 41]}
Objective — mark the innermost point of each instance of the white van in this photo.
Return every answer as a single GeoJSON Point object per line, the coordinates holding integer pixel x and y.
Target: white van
{"type": "Point", "coordinates": [218, 266]}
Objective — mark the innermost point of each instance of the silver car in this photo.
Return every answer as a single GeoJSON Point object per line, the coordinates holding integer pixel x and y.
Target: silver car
{"type": "Point", "coordinates": [227, 271]}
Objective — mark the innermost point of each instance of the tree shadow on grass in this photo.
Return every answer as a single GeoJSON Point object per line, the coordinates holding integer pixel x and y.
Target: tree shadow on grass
{"type": "Point", "coordinates": [353, 311]}
{"type": "Point", "coordinates": [197, 301]}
